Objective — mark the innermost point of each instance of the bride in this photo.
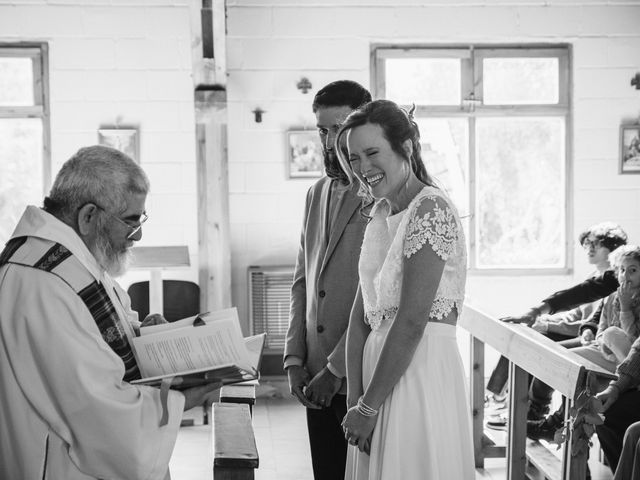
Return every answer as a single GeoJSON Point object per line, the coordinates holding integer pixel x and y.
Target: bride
{"type": "Point", "coordinates": [408, 413]}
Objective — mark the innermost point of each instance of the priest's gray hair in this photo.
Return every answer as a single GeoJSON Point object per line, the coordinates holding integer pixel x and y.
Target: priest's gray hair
{"type": "Point", "coordinates": [96, 174]}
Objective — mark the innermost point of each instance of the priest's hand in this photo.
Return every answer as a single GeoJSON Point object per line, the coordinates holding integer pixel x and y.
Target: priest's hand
{"type": "Point", "coordinates": [323, 387]}
{"type": "Point", "coordinates": [153, 319]}
{"type": "Point", "coordinates": [196, 396]}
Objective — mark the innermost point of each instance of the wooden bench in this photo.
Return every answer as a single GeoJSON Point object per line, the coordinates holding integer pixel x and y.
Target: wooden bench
{"type": "Point", "coordinates": [235, 456]}
{"type": "Point", "coordinates": [528, 353]}
{"type": "Point", "coordinates": [240, 393]}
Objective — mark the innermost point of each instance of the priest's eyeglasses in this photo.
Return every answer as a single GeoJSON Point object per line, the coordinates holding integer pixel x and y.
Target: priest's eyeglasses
{"type": "Point", "coordinates": [134, 228]}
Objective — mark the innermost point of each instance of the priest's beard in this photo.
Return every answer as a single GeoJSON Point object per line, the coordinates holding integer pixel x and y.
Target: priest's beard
{"type": "Point", "coordinates": [113, 260]}
{"type": "Point", "coordinates": [332, 167]}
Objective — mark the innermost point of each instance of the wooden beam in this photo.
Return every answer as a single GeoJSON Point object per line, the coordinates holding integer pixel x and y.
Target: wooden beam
{"type": "Point", "coordinates": [209, 42]}
{"type": "Point", "coordinates": [214, 259]}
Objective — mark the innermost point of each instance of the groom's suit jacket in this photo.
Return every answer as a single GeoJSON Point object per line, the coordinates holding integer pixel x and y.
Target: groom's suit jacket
{"type": "Point", "coordinates": [326, 278]}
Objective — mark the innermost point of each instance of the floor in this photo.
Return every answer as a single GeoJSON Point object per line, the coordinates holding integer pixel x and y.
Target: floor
{"type": "Point", "coordinates": [281, 437]}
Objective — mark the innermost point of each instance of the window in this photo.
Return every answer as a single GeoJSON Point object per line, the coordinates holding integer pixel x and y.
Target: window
{"type": "Point", "coordinates": [24, 162]}
{"type": "Point", "coordinates": [494, 126]}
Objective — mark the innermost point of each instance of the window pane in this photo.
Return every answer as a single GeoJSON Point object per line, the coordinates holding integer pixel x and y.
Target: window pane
{"type": "Point", "coordinates": [20, 170]}
{"type": "Point", "coordinates": [520, 192]}
{"type": "Point", "coordinates": [16, 81]}
{"type": "Point", "coordinates": [520, 81]}
{"type": "Point", "coordinates": [444, 143]}
{"type": "Point", "coordinates": [423, 81]}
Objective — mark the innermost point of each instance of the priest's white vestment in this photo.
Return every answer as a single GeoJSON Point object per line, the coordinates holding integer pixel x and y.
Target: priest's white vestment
{"type": "Point", "coordinates": [65, 411]}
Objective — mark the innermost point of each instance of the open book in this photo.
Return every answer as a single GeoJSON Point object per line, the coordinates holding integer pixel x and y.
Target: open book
{"type": "Point", "coordinates": [202, 349]}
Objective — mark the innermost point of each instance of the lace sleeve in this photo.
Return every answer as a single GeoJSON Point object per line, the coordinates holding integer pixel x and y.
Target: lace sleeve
{"type": "Point", "coordinates": [432, 220]}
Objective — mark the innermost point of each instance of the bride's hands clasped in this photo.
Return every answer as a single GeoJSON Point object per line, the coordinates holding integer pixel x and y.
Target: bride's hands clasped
{"type": "Point", "coordinates": [358, 429]}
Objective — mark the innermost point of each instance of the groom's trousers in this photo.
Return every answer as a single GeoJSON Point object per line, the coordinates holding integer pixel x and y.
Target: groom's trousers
{"type": "Point", "coordinates": [326, 437]}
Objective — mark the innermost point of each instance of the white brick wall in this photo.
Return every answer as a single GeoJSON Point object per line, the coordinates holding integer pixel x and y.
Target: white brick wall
{"type": "Point", "coordinates": [273, 43]}
{"type": "Point", "coordinates": [128, 63]}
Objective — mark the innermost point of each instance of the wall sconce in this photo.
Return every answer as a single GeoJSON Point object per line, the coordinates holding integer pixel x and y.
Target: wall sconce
{"type": "Point", "coordinates": [635, 81]}
{"type": "Point", "coordinates": [258, 114]}
{"type": "Point", "coordinates": [304, 85]}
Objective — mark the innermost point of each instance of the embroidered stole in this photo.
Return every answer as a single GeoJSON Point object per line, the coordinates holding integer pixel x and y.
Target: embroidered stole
{"type": "Point", "coordinates": [56, 259]}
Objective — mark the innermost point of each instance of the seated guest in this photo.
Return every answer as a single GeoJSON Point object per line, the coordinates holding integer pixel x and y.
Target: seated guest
{"type": "Point", "coordinates": [621, 399]}
{"type": "Point", "coordinates": [598, 242]}
{"type": "Point", "coordinates": [563, 327]}
{"type": "Point", "coordinates": [618, 328]}
{"type": "Point", "coordinates": [67, 409]}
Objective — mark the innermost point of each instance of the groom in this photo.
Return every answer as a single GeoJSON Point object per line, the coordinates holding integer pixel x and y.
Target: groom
{"type": "Point", "coordinates": [324, 286]}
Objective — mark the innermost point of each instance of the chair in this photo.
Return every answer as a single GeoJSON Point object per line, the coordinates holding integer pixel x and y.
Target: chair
{"type": "Point", "coordinates": [180, 299]}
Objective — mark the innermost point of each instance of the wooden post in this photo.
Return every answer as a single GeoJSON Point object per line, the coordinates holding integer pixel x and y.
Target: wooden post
{"type": "Point", "coordinates": [517, 434]}
{"type": "Point", "coordinates": [213, 200]}
{"type": "Point", "coordinates": [477, 398]}
{"type": "Point", "coordinates": [208, 23]}
{"type": "Point", "coordinates": [574, 466]}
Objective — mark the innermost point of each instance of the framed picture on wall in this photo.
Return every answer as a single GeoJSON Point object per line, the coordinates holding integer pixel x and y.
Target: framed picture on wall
{"type": "Point", "coordinates": [305, 154]}
{"type": "Point", "coordinates": [123, 139]}
{"type": "Point", "coordinates": [630, 148]}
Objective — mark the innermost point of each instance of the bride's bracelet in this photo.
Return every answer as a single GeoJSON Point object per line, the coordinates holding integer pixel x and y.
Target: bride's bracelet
{"type": "Point", "coordinates": [364, 409]}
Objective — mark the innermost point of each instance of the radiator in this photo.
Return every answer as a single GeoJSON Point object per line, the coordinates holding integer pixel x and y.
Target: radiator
{"type": "Point", "coordinates": [269, 299]}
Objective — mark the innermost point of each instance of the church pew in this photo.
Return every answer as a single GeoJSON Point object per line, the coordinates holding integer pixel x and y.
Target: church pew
{"type": "Point", "coordinates": [235, 455]}
{"type": "Point", "coordinates": [529, 353]}
{"type": "Point", "coordinates": [239, 393]}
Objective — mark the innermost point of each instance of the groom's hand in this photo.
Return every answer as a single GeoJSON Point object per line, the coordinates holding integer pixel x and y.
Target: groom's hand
{"type": "Point", "coordinates": [298, 380]}
{"type": "Point", "coordinates": [323, 387]}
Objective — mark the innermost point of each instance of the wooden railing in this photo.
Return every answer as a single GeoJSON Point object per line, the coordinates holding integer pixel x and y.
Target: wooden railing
{"type": "Point", "coordinates": [528, 353]}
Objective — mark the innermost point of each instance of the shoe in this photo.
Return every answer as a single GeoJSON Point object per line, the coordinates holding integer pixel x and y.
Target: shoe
{"type": "Point", "coordinates": [545, 429]}
{"type": "Point", "coordinates": [495, 408]}
{"type": "Point", "coordinates": [494, 404]}
{"type": "Point", "coordinates": [537, 411]}
{"type": "Point", "coordinates": [498, 422]}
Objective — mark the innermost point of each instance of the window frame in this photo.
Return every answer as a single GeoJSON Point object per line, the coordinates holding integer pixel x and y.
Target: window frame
{"type": "Point", "coordinates": [471, 56]}
{"type": "Point", "coordinates": [39, 54]}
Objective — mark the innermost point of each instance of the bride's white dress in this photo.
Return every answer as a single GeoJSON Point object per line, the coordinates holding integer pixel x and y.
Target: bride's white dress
{"type": "Point", "coordinates": [423, 429]}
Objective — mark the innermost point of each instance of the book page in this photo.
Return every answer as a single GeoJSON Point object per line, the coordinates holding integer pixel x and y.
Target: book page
{"type": "Point", "coordinates": [218, 343]}
{"type": "Point", "coordinates": [255, 345]}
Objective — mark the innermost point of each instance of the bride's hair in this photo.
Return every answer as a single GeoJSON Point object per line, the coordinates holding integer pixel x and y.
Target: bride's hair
{"type": "Point", "coordinates": [397, 125]}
